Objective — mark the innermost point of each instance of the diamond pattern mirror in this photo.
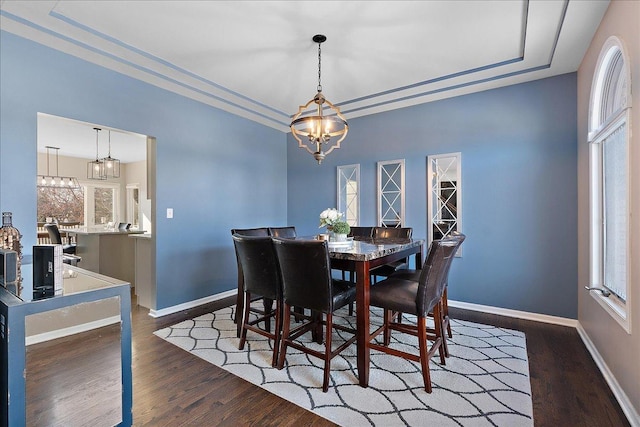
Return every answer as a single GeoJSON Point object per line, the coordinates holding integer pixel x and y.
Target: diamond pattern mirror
{"type": "Point", "coordinates": [391, 193]}
{"type": "Point", "coordinates": [444, 196]}
{"type": "Point", "coordinates": [349, 193]}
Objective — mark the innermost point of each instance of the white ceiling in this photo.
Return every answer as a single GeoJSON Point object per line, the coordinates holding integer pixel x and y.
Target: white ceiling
{"type": "Point", "coordinates": [256, 59]}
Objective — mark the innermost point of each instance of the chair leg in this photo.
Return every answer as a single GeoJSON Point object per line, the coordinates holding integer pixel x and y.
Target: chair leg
{"type": "Point", "coordinates": [424, 353]}
{"type": "Point", "coordinates": [277, 334]}
{"type": "Point", "coordinates": [299, 312]}
{"type": "Point", "coordinates": [388, 317]}
{"type": "Point", "coordinates": [244, 318]}
{"type": "Point", "coordinates": [327, 352]}
{"type": "Point", "coordinates": [286, 328]}
{"type": "Point", "coordinates": [268, 308]}
{"type": "Point", "coordinates": [445, 311]}
{"type": "Point", "coordinates": [438, 322]}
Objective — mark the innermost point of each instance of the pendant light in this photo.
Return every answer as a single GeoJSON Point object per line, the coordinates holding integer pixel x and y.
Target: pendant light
{"type": "Point", "coordinates": [50, 180]}
{"type": "Point", "coordinates": [111, 165]}
{"type": "Point", "coordinates": [95, 168]}
{"type": "Point", "coordinates": [322, 133]}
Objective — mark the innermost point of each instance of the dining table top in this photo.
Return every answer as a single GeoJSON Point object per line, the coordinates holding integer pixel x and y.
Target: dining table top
{"type": "Point", "coordinates": [367, 249]}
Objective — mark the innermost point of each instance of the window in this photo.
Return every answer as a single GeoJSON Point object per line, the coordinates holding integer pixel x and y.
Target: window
{"type": "Point", "coordinates": [133, 205]}
{"type": "Point", "coordinates": [63, 204]}
{"type": "Point", "coordinates": [609, 123]}
{"type": "Point", "coordinates": [92, 205]}
{"type": "Point", "coordinates": [348, 193]}
{"type": "Point", "coordinates": [391, 193]}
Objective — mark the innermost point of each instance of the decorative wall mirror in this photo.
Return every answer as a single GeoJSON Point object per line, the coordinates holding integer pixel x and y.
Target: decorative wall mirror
{"type": "Point", "coordinates": [349, 193]}
{"type": "Point", "coordinates": [391, 193]}
{"type": "Point", "coordinates": [444, 196]}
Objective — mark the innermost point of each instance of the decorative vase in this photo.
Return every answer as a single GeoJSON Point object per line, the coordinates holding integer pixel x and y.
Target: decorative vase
{"type": "Point", "coordinates": [10, 239]}
{"type": "Point", "coordinates": [340, 237]}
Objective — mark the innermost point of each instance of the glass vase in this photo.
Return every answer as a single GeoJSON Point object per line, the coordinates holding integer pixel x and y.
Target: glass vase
{"type": "Point", "coordinates": [10, 239]}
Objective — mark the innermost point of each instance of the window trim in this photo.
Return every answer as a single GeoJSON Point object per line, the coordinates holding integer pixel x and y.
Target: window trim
{"type": "Point", "coordinates": [134, 220]}
{"type": "Point", "coordinates": [599, 131]}
{"type": "Point", "coordinates": [88, 186]}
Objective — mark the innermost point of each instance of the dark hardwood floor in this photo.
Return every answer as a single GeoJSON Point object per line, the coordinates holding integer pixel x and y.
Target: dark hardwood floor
{"type": "Point", "coordinates": [174, 388]}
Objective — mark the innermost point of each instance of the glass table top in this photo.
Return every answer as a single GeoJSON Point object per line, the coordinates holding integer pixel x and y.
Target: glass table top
{"type": "Point", "coordinates": [74, 280]}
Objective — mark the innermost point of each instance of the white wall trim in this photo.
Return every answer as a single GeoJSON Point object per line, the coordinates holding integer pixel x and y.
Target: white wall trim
{"type": "Point", "coordinates": [545, 318]}
{"type": "Point", "coordinates": [64, 332]}
{"type": "Point", "coordinates": [190, 304]}
{"type": "Point", "coordinates": [618, 392]}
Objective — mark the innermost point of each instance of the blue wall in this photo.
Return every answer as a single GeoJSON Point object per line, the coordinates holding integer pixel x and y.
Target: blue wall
{"type": "Point", "coordinates": [217, 170]}
{"type": "Point", "coordinates": [518, 147]}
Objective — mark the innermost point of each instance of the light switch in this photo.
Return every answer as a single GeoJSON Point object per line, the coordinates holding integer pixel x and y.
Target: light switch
{"type": "Point", "coordinates": [169, 212]}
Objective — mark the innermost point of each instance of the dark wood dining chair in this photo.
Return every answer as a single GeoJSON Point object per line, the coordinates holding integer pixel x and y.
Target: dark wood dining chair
{"type": "Point", "coordinates": [284, 232]}
{"type": "Point", "coordinates": [359, 233]}
{"type": "Point", "coordinates": [261, 277]}
{"type": "Point", "coordinates": [259, 231]}
{"type": "Point", "coordinates": [392, 232]}
{"type": "Point", "coordinates": [417, 298]}
{"type": "Point", "coordinates": [306, 282]}
{"type": "Point", "coordinates": [384, 233]}
{"type": "Point", "coordinates": [414, 275]}
{"type": "Point", "coordinates": [267, 303]}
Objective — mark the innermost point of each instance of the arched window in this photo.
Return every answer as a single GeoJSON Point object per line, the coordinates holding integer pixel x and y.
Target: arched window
{"type": "Point", "coordinates": [609, 123]}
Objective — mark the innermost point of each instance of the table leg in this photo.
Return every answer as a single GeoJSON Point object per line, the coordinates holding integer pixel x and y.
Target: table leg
{"type": "Point", "coordinates": [363, 282]}
{"type": "Point", "coordinates": [419, 259]}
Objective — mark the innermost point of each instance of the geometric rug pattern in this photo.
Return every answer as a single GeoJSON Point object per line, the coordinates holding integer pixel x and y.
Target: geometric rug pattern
{"type": "Point", "coordinates": [485, 381]}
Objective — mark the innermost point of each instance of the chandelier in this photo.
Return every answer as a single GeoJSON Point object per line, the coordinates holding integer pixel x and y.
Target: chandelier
{"type": "Point", "coordinates": [50, 180]}
{"type": "Point", "coordinates": [311, 127]}
{"type": "Point", "coordinates": [95, 168]}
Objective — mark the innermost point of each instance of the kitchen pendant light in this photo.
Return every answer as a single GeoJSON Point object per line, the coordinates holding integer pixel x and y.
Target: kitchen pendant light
{"type": "Point", "coordinates": [322, 133]}
{"type": "Point", "coordinates": [56, 180]}
{"type": "Point", "coordinates": [111, 166]}
{"type": "Point", "coordinates": [95, 168]}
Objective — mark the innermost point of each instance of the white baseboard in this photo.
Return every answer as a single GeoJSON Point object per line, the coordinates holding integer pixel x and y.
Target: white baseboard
{"type": "Point", "coordinates": [618, 392]}
{"type": "Point", "coordinates": [191, 304]}
{"type": "Point", "coordinates": [563, 321]}
{"type": "Point", "coordinates": [64, 332]}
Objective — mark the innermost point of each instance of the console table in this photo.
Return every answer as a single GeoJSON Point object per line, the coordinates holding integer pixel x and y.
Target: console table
{"type": "Point", "coordinates": [16, 305]}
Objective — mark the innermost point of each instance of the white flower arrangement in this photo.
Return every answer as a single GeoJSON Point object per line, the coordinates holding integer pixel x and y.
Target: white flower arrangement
{"type": "Point", "coordinates": [329, 216]}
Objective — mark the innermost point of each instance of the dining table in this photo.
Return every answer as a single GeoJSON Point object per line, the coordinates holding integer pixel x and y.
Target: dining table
{"type": "Point", "coordinates": [359, 256]}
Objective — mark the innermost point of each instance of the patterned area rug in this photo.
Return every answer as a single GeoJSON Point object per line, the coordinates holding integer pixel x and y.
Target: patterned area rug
{"type": "Point", "coordinates": [485, 381]}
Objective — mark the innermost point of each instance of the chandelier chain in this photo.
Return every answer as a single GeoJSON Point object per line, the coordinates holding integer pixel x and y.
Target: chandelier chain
{"type": "Point", "coordinates": [319, 67]}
